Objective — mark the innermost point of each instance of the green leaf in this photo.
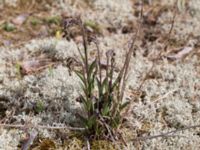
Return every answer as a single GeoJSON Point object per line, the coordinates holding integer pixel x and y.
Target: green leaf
{"type": "Point", "coordinates": [18, 68]}
{"type": "Point", "coordinates": [39, 107]}
{"type": "Point", "coordinates": [81, 76]}
{"type": "Point", "coordinates": [35, 21]}
{"type": "Point", "coordinates": [116, 121]}
{"type": "Point", "coordinates": [98, 130]}
{"type": "Point", "coordinates": [91, 122]}
{"type": "Point", "coordinates": [53, 20]}
{"type": "Point", "coordinates": [100, 89]}
{"type": "Point", "coordinates": [88, 104]}
{"type": "Point", "coordinates": [92, 66]}
{"type": "Point", "coordinates": [116, 83]}
{"type": "Point", "coordinates": [90, 89]}
{"type": "Point", "coordinates": [92, 80]}
{"type": "Point", "coordinates": [82, 118]}
{"type": "Point", "coordinates": [105, 110]}
{"type": "Point", "coordinates": [83, 99]}
{"type": "Point", "coordinates": [92, 25]}
{"type": "Point", "coordinates": [105, 84]}
{"type": "Point", "coordinates": [84, 89]}
{"type": "Point", "coordinates": [9, 27]}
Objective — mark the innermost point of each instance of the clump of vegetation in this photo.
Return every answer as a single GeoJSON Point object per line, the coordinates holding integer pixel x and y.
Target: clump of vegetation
{"type": "Point", "coordinates": [35, 21]}
{"type": "Point", "coordinates": [39, 106]}
{"type": "Point", "coordinates": [53, 20]}
{"type": "Point", "coordinates": [9, 27]}
{"type": "Point", "coordinates": [103, 90]}
{"type": "Point", "coordinates": [93, 25]}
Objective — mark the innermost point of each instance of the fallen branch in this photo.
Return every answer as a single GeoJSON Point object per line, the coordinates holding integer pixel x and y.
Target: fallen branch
{"type": "Point", "coordinates": [167, 134]}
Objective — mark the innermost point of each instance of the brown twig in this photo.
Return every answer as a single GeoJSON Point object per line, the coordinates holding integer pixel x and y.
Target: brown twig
{"type": "Point", "coordinates": [41, 127]}
{"type": "Point", "coordinates": [167, 134]}
{"type": "Point", "coordinates": [124, 70]}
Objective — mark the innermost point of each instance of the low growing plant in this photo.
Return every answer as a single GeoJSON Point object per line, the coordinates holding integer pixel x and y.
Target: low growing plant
{"type": "Point", "coordinates": [102, 90]}
{"type": "Point", "coordinates": [9, 27]}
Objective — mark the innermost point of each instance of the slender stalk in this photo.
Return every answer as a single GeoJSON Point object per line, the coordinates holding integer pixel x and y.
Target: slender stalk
{"type": "Point", "coordinates": [111, 72]}
{"type": "Point", "coordinates": [86, 62]}
{"type": "Point", "coordinates": [100, 72]}
{"type": "Point", "coordinates": [126, 65]}
{"type": "Point", "coordinates": [99, 62]}
{"type": "Point", "coordinates": [107, 72]}
{"type": "Point", "coordinates": [85, 46]}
